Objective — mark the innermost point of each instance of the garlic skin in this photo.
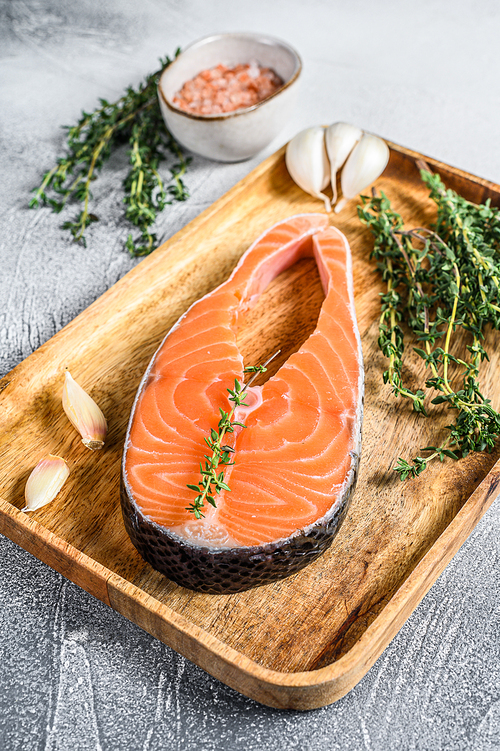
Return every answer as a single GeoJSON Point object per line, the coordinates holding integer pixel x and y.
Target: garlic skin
{"type": "Point", "coordinates": [84, 414]}
{"type": "Point", "coordinates": [45, 482]}
{"type": "Point", "coordinates": [366, 162]}
{"type": "Point", "coordinates": [307, 162]}
{"type": "Point", "coordinates": [340, 139]}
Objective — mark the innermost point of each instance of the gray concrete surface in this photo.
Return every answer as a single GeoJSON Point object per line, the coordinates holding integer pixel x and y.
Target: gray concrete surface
{"type": "Point", "coordinates": [74, 674]}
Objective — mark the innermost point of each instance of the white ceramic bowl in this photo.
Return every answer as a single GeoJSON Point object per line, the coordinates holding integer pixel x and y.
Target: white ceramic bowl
{"type": "Point", "coordinates": [238, 135]}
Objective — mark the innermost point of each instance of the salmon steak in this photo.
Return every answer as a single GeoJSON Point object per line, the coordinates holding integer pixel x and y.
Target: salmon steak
{"type": "Point", "coordinates": [293, 466]}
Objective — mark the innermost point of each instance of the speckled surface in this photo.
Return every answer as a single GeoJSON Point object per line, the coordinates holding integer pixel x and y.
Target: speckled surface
{"type": "Point", "coordinates": [74, 674]}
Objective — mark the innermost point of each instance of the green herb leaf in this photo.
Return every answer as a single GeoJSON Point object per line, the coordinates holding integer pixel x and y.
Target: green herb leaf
{"type": "Point", "coordinates": [440, 280]}
{"type": "Point", "coordinates": [211, 481]}
{"type": "Point", "coordinates": [135, 119]}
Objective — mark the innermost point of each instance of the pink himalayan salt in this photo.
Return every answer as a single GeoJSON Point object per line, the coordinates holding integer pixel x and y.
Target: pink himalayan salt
{"type": "Point", "coordinates": [223, 89]}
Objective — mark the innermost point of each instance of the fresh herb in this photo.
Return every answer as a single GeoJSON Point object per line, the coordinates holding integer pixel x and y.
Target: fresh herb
{"type": "Point", "coordinates": [212, 482]}
{"type": "Point", "coordinates": [134, 118]}
{"type": "Point", "coordinates": [440, 281]}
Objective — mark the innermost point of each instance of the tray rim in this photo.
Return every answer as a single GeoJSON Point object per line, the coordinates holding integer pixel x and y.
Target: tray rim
{"type": "Point", "coordinates": [280, 689]}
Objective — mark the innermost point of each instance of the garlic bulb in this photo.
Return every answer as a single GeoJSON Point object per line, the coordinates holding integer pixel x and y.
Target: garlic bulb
{"type": "Point", "coordinates": [45, 482]}
{"type": "Point", "coordinates": [84, 414]}
{"type": "Point", "coordinates": [340, 140]}
{"type": "Point", "coordinates": [307, 162]}
{"type": "Point", "coordinates": [366, 162]}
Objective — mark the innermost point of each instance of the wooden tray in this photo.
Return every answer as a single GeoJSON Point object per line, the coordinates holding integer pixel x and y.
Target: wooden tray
{"type": "Point", "coordinates": [305, 641]}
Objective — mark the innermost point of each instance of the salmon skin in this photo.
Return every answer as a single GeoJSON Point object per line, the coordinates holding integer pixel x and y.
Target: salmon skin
{"type": "Point", "coordinates": [295, 462]}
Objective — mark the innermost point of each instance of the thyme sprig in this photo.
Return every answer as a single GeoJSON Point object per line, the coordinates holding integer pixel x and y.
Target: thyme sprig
{"type": "Point", "coordinates": [440, 280]}
{"type": "Point", "coordinates": [135, 119]}
{"type": "Point", "coordinates": [212, 481]}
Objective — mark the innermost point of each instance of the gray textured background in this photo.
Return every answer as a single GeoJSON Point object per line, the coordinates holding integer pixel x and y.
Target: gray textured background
{"type": "Point", "coordinates": [75, 675]}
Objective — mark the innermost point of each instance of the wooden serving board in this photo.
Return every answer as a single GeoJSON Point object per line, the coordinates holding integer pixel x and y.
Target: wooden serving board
{"type": "Point", "coordinates": [305, 641]}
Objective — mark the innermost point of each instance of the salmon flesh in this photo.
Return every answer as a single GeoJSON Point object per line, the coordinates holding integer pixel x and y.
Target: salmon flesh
{"type": "Point", "coordinates": [295, 462]}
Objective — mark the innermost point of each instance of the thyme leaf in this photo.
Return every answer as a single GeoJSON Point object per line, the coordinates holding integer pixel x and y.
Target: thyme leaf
{"type": "Point", "coordinates": [212, 481]}
{"type": "Point", "coordinates": [134, 119]}
{"type": "Point", "coordinates": [439, 280]}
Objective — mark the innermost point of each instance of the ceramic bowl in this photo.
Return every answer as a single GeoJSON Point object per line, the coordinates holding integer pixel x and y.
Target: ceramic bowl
{"type": "Point", "coordinates": [238, 135]}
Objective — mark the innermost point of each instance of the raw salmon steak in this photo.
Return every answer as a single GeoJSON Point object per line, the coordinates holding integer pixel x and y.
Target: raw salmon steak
{"type": "Point", "coordinates": [295, 462]}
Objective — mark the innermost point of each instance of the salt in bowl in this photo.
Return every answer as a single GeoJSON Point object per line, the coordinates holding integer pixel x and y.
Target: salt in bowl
{"type": "Point", "coordinates": [238, 135]}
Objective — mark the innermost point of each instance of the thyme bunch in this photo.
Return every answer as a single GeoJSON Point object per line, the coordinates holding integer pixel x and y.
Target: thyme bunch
{"type": "Point", "coordinates": [212, 481]}
{"type": "Point", "coordinates": [135, 119]}
{"type": "Point", "coordinates": [440, 280]}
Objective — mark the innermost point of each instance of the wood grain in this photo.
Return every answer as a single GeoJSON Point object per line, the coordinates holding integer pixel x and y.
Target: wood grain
{"type": "Point", "coordinates": [305, 641]}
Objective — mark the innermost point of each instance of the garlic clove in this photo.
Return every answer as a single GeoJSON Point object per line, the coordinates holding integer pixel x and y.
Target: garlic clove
{"type": "Point", "coordinates": [84, 414]}
{"type": "Point", "coordinates": [340, 139]}
{"type": "Point", "coordinates": [307, 162]}
{"type": "Point", "coordinates": [45, 482]}
{"type": "Point", "coordinates": [365, 163]}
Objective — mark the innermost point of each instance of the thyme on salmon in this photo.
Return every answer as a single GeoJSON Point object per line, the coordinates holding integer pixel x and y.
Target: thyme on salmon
{"type": "Point", "coordinates": [212, 482]}
{"type": "Point", "coordinates": [441, 281]}
{"type": "Point", "coordinates": [135, 119]}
